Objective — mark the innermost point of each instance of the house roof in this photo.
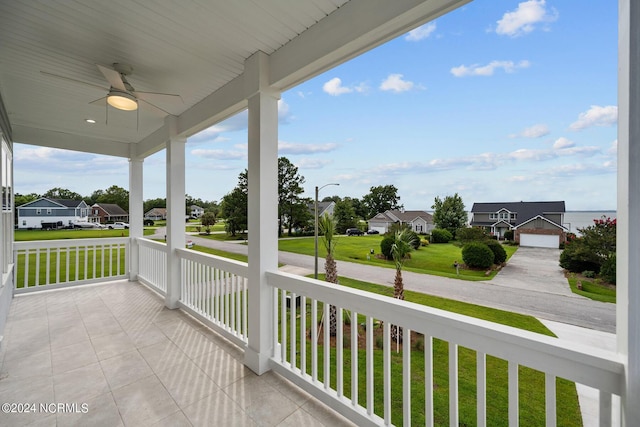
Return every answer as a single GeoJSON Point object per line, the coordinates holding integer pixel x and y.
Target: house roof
{"type": "Point", "coordinates": [542, 218]}
{"type": "Point", "coordinates": [112, 209]}
{"type": "Point", "coordinates": [396, 215]}
{"type": "Point", "coordinates": [525, 210]}
{"type": "Point", "coordinates": [67, 203]}
{"type": "Point", "coordinates": [208, 53]}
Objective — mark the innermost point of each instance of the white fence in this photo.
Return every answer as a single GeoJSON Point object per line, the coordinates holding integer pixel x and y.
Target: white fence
{"type": "Point", "coordinates": [356, 379]}
{"type": "Point", "coordinates": [152, 264]}
{"type": "Point", "coordinates": [214, 289]}
{"type": "Point", "coordinates": [60, 263]}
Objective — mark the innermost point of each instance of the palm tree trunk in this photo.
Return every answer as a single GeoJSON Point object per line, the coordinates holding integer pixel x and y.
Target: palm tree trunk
{"type": "Point", "coordinates": [331, 272]}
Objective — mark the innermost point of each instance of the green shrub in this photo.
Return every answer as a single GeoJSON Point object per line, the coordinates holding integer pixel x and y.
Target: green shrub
{"type": "Point", "coordinates": [589, 274]}
{"type": "Point", "coordinates": [471, 234]}
{"type": "Point", "coordinates": [477, 255]}
{"type": "Point", "coordinates": [424, 242]}
{"type": "Point", "coordinates": [577, 258]}
{"type": "Point", "coordinates": [508, 235]}
{"type": "Point", "coordinates": [415, 240]}
{"type": "Point", "coordinates": [439, 235]}
{"type": "Point", "coordinates": [499, 254]}
{"type": "Point", "coordinates": [608, 269]}
{"type": "Point", "coordinates": [385, 246]}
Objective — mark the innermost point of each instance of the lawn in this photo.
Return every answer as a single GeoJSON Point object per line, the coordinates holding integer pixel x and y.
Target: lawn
{"type": "Point", "coordinates": [79, 233]}
{"type": "Point", "coordinates": [435, 259]}
{"type": "Point", "coordinates": [593, 290]}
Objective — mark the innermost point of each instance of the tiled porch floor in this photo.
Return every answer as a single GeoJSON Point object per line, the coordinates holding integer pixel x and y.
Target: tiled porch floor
{"type": "Point", "coordinates": [134, 362]}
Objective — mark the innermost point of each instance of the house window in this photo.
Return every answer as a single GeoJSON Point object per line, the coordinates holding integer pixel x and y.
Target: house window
{"type": "Point", "coordinates": [24, 222]}
{"type": "Point", "coordinates": [504, 215]}
{"type": "Point", "coordinates": [418, 228]}
{"type": "Point", "coordinates": [95, 212]}
{"type": "Point", "coordinates": [48, 211]}
{"type": "Point", "coordinates": [38, 211]}
{"type": "Point", "coordinates": [493, 216]}
{"type": "Point", "coordinates": [514, 216]}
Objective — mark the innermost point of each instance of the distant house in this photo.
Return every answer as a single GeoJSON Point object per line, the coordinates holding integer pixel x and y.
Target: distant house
{"type": "Point", "coordinates": [419, 221]}
{"type": "Point", "coordinates": [52, 213]}
{"type": "Point", "coordinates": [107, 212]}
{"type": "Point", "coordinates": [156, 214]}
{"type": "Point", "coordinates": [196, 211]}
{"type": "Point", "coordinates": [323, 207]}
{"type": "Point", "coordinates": [537, 224]}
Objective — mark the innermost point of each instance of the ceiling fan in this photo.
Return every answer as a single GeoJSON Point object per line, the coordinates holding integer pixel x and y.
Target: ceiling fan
{"type": "Point", "coordinates": [121, 94]}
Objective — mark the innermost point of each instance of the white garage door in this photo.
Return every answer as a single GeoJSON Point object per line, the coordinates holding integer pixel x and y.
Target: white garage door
{"type": "Point", "coordinates": [539, 241]}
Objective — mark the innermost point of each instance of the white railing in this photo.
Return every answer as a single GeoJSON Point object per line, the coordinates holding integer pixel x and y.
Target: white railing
{"type": "Point", "coordinates": [60, 263]}
{"type": "Point", "coordinates": [152, 264]}
{"type": "Point", "coordinates": [214, 289]}
{"type": "Point", "coordinates": [402, 382]}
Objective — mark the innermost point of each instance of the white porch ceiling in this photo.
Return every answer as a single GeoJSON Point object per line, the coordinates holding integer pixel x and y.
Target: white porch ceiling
{"type": "Point", "coordinates": [195, 48]}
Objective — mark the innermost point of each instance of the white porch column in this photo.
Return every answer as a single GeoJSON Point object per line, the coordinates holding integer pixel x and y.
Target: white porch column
{"type": "Point", "coordinates": [628, 238]}
{"type": "Point", "coordinates": [263, 211]}
{"type": "Point", "coordinates": [175, 216]}
{"type": "Point", "coordinates": [135, 214]}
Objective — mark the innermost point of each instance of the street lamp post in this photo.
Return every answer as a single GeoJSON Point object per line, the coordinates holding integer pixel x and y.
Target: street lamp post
{"type": "Point", "coordinates": [315, 270]}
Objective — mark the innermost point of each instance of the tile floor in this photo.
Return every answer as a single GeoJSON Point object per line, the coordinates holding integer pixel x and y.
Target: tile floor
{"type": "Point", "coordinates": [132, 362]}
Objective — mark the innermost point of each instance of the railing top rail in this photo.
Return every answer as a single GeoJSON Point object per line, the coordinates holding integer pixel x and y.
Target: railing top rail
{"type": "Point", "coordinates": [238, 268]}
{"type": "Point", "coordinates": [584, 364]}
{"type": "Point", "coordinates": [63, 243]}
{"type": "Point", "coordinates": [151, 243]}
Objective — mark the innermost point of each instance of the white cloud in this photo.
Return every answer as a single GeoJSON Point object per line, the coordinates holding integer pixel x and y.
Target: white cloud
{"type": "Point", "coordinates": [614, 148]}
{"type": "Point", "coordinates": [312, 163]}
{"type": "Point", "coordinates": [395, 83]}
{"type": "Point", "coordinates": [218, 154]}
{"type": "Point", "coordinates": [299, 148]}
{"type": "Point", "coordinates": [596, 116]}
{"type": "Point", "coordinates": [334, 87]}
{"type": "Point", "coordinates": [524, 19]}
{"type": "Point", "coordinates": [489, 69]}
{"type": "Point", "coordinates": [421, 33]}
{"type": "Point", "coordinates": [563, 142]}
{"type": "Point", "coordinates": [535, 131]}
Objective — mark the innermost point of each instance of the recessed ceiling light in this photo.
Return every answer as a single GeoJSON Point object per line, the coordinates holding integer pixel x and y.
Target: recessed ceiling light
{"type": "Point", "coordinates": [92, 121]}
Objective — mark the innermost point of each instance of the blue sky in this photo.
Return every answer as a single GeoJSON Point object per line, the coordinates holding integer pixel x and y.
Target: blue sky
{"type": "Point", "coordinates": [497, 101]}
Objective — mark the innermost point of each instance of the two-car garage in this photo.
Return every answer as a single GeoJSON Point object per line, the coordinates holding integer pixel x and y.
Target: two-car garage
{"type": "Point", "coordinates": [540, 240]}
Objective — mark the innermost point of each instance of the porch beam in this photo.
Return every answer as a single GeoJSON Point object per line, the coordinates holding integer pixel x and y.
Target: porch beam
{"type": "Point", "coordinates": [365, 24]}
{"type": "Point", "coordinates": [175, 213]}
{"type": "Point", "coordinates": [628, 228]}
{"type": "Point", "coordinates": [136, 227]}
{"type": "Point", "coordinates": [263, 212]}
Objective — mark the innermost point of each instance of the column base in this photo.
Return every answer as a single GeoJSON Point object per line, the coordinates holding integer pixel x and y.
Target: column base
{"type": "Point", "coordinates": [258, 363]}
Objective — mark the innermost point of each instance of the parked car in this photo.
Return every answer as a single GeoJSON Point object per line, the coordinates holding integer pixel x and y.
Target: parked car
{"type": "Point", "coordinates": [373, 232]}
{"type": "Point", "coordinates": [118, 226]}
{"type": "Point", "coordinates": [354, 232]}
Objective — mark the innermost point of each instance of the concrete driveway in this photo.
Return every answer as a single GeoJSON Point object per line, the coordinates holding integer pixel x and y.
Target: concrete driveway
{"type": "Point", "coordinates": [535, 269]}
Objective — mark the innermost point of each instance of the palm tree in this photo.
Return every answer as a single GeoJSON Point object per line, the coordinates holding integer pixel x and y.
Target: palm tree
{"type": "Point", "coordinates": [403, 241]}
{"type": "Point", "coordinates": [327, 225]}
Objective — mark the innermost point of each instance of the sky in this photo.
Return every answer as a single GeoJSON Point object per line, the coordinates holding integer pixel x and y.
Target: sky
{"type": "Point", "coordinates": [497, 101]}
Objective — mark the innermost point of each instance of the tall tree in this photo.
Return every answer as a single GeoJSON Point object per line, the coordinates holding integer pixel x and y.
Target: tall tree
{"type": "Point", "coordinates": [207, 220]}
{"type": "Point", "coordinates": [327, 226]}
{"type": "Point", "coordinates": [449, 213]}
{"type": "Point", "coordinates": [115, 195]}
{"type": "Point", "coordinates": [235, 206]}
{"type": "Point", "coordinates": [154, 203]}
{"type": "Point", "coordinates": [344, 215]}
{"type": "Point", "coordinates": [289, 190]}
{"type": "Point", "coordinates": [380, 199]}
{"type": "Point", "coordinates": [62, 193]}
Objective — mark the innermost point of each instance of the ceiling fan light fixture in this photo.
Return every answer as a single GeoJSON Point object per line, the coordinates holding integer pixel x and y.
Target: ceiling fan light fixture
{"type": "Point", "coordinates": [122, 100]}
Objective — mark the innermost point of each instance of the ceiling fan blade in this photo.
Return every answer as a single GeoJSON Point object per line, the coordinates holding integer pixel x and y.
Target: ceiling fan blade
{"type": "Point", "coordinates": [113, 77]}
{"type": "Point", "coordinates": [156, 107]}
{"type": "Point", "coordinates": [158, 97]}
{"type": "Point", "coordinates": [100, 101]}
{"type": "Point", "coordinates": [73, 80]}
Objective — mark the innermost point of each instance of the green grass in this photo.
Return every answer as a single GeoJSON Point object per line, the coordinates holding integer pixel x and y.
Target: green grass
{"type": "Point", "coordinates": [593, 290]}
{"type": "Point", "coordinates": [435, 259]}
{"type": "Point", "coordinates": [30, 235]}
{"type": "Point", "coordinates": [225, 254]}
{"type": "Point", "coordinates": [531, 382]}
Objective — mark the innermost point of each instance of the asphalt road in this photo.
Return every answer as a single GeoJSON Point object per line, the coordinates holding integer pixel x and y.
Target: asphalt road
{"type": "Point", "coordinates": [532, 283]}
